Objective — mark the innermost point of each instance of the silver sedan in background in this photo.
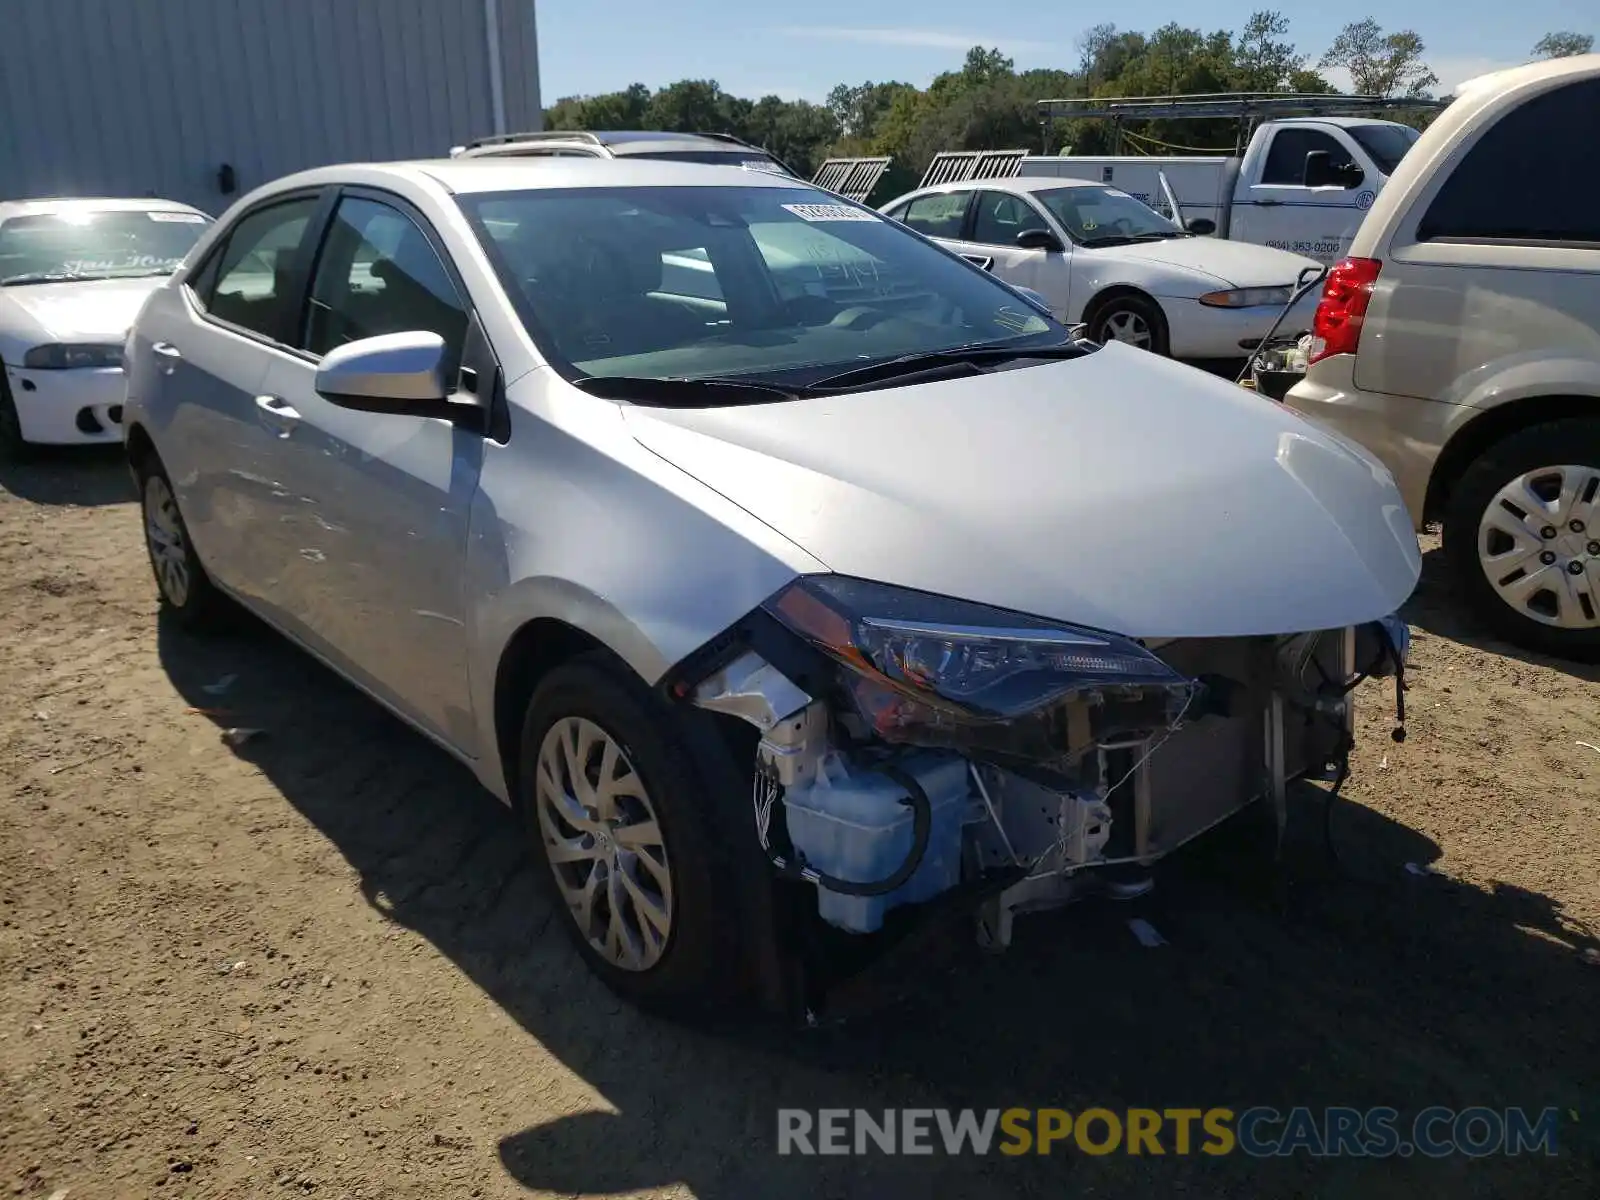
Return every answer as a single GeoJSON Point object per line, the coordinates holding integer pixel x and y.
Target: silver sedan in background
{"type": "Point", "coordinates": [783, 570]}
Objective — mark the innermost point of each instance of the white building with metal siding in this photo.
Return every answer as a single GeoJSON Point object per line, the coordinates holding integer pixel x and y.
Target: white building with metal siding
{"type": "Point", "coordinates": [183, 98]}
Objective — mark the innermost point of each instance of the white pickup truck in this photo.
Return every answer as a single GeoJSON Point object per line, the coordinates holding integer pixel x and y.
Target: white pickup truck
{"type": "Point", "coordinates": [1301, 183]}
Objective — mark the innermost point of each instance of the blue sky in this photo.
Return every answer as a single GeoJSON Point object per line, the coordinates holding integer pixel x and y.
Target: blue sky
{"type": "Point", "coordinates": [800, 51]}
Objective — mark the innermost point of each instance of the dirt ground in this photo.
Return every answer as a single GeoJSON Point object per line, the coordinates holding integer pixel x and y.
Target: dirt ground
{"type": "Point", "coordinates": [317, 964]}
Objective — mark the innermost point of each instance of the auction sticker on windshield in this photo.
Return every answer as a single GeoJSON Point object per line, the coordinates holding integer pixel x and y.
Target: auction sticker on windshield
{"type": "Point", "coordinates": [830, 212]}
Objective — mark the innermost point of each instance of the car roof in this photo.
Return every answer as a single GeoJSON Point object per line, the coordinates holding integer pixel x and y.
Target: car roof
{"type": "Point", "coordinates": [1345, 122]}
{"type": "Point", "coordinates": [1576, 66]}
{"type": "Point", "coordinates": [637, 140]}
{"type": "Point", "coordinates": [511, 173]}
{"type": "Point", "coordinates": [48, 205]}
{"type": "Point", "coordinates": [1019, 183]}
{"type": "Point", "coordinates": [622, 142]}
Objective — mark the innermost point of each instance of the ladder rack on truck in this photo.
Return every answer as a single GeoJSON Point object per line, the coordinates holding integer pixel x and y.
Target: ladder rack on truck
{"type": "Point", "coordinates": [1247, 108]}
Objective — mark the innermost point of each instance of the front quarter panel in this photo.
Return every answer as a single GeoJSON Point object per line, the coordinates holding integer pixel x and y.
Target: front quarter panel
{"type": "Point", "coordinates": [20, 331]}
{"type": "Point", "coordinates": [574, 521]}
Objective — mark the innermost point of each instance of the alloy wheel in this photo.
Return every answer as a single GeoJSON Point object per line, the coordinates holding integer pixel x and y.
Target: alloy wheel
{"type": "Point", "coordinates": [164, 536]}
{"type": "Point", "coordinates": [1539, 545]}
{"type": "Point", "coordinates": [1125, 325]}
{"type": "Point", "coordinates": [604, 844]}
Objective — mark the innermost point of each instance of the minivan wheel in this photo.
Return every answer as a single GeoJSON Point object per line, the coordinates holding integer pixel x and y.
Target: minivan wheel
{"type": "Point", "coordinates": [1522, 535]}
{"type": "Point", "coordinates": [185, 588]}
{"type": "Point", "coordinates": [613, 806]}
{"type": "Point", "coordinates": [1132, 320]}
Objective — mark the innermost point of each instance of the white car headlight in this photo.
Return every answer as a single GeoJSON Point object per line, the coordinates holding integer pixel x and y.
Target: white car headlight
{"type": "Point", "coordinates": [1252, 297]}
{"type": "Point", "coordinates": [61, 356]}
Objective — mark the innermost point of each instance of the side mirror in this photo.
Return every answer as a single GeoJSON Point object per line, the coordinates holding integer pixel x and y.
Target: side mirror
{"type": "Point", "coordinates": [1202, 226]}
{"type": "Point", "coordinates": [1039, 239]}
{"type": "Point", "coordinates": [392, 373]}
{"type": "Point", "coordinates": [1319, 169]}
{"type": "Point", "coordinates": [1322, 171]}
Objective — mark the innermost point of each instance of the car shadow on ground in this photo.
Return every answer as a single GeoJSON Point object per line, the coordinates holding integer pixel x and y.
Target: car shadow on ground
{"type": "Point", "coordinates": [1436, 607]}
{"type": "Point", "coordinates": [1369, 985]}
{"type": "Point", "coordinates": [71, 476]}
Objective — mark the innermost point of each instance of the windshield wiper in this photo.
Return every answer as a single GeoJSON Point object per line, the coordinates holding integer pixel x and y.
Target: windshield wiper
{"type": "Point", "coordinates": [961, 356]}
{"type": "Point", "coordinates": [1124, 239]}
{"type": "Point", "coordinates": [43, 277]}
{"type": "Point", "coordinates": [711, 392]}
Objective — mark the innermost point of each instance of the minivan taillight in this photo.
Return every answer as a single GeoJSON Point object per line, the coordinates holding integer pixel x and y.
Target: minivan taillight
{"type": "Point", "coordinates": [1337, 325]}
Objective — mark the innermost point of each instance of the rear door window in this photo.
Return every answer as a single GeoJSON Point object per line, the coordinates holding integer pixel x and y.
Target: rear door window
{"type": "Point", "coordinates": [1528, 178]}
{"type": "Point", "coordinates": [940, 215]}
{"type": "Point", "coordinates": [254, 272]}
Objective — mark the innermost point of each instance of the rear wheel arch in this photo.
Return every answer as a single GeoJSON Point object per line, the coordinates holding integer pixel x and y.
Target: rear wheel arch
{"type": "Point", "coordinates": [1479, 435]}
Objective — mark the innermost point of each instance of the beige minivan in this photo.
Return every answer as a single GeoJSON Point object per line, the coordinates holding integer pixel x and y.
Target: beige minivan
{"type": "Point", "coordinates": [1460, 343]}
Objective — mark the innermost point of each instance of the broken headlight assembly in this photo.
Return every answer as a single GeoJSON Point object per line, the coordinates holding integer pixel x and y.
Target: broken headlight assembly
{"type": "Point", "coordinates": [925, 670]}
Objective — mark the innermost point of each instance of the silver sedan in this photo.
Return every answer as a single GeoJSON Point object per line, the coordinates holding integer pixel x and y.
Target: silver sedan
{"type": "Point", "coordinates": [785, 572]}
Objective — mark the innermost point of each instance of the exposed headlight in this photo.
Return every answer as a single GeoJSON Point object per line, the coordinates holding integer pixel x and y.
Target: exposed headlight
{"type": "Point", "coordinates": [1248, 297]}
{"type": "Point", "coordinates": [61, 356]}
{"type": "Point", "coordinates": [934, 671]}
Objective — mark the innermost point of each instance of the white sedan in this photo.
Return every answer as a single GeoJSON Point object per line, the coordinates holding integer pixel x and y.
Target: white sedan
{"type": "Point", "coordinates": [1104, 259]}
{"type": "Point", "coordinates": [73, 274]}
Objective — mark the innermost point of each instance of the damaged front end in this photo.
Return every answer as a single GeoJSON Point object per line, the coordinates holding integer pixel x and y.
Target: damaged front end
{"type": "Point", "coordinates": [915, 750]}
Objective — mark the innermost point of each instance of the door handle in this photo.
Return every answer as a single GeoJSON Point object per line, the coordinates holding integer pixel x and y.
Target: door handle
{"type": "Point", "coordinates": [1270, 203]}
{"type": "Point", "coordinates": [278, 413]}
{"type": "Point", "coordinates": [169, 356]}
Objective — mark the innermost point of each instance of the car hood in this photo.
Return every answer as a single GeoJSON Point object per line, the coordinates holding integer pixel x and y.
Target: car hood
{"type": "Point", "coordinates": [90, 310]}
{"type": "Point", "coordinates": [1119, 491]}
{"type": "Point", "coordinates": [1239, 264]}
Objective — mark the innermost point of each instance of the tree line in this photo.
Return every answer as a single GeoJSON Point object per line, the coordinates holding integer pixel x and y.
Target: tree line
{"type": "Point", "coordinates": [987, 104]}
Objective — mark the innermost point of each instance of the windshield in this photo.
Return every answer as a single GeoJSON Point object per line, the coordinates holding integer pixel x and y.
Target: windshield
{"type": "Point", "coordinates": [749, 159]}
{"type": "Point", "coordinates": [1097, 215]}
{"type": "Point", "coordinates": [1387, 144]}
{"type": "Point", "coordinates": [96, 244]}
{"type": "Point", "coordinates": [742, 282]}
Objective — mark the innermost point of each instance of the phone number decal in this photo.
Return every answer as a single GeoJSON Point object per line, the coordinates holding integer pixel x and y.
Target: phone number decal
{"type": "Point", "coordinates": [1311, 248]}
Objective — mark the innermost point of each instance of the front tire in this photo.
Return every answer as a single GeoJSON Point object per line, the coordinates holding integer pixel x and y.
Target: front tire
{"type": "Point", "coordinates": [1522, 536]}
{"type": "Point", "coordinates": [13, 446]}
{"type": "Point", "coordinates": [185, 589]}
{"type": "Point", "coordinates": [1135, 321]}
{"type": "Point", "coordinates": [615, 808]}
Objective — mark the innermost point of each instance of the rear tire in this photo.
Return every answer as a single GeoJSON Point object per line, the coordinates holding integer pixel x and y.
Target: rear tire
{"type": "Point", "coordinates": [1133, 320]}
{"type": "Point", "coordinates": [637, 870]}
{"type": "Point", "coordinates": [186, 591]}
{"type": "Point", "coordinates": [1516, 572]}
